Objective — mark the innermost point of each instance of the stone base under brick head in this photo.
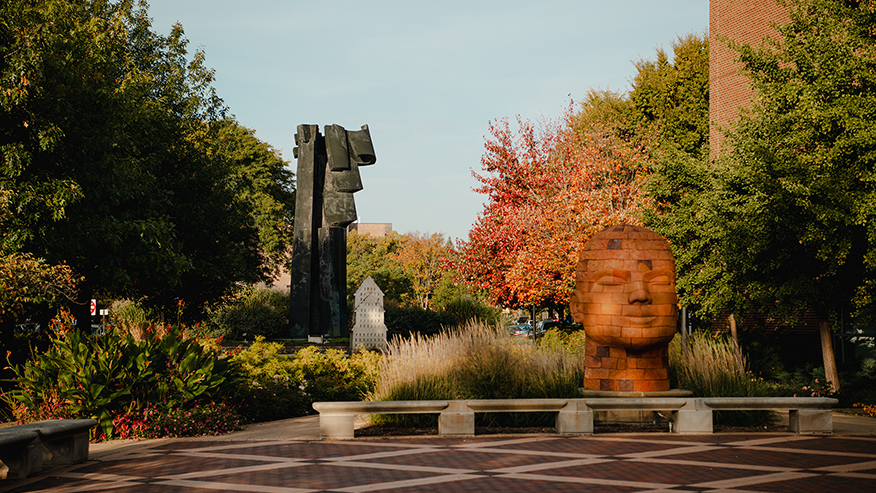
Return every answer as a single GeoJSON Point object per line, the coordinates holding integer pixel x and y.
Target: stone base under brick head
{"type": "Point", "coordinates": [626, 370]}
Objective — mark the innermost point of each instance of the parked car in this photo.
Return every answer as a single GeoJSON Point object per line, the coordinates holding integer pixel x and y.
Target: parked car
{"type": "Point", "coordinates": [520, 330]}
{"type": "Point", "coordinates": [545, 325]}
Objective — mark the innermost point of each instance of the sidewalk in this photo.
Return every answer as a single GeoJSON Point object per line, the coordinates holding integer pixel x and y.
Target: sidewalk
{"type": "Point", "coordinates": [287, 457]}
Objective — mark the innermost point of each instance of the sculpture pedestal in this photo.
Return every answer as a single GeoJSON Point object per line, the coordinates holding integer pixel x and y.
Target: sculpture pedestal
{"type": "Point", "coordinates": [630, 417]}
{"type": "Point", "coordinates": [626, 370]}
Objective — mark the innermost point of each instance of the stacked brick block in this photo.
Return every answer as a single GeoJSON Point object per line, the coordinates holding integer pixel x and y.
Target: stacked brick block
{"type": "Point", "coordinates": [626, 370]}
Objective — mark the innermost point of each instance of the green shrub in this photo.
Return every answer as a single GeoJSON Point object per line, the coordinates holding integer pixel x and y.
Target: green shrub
{"type": "Point", "coordinates": [859, 387]}
{"type": "Point", "coordinates": [462, 310]}
{"type": "Point", "coordinates": [129, 317]}
{"type": "Point", "coordinates": [330, 375]}
{"type": "Point", "coordinates": [269, 387]}
{"type": "Point", "coordinates": [407, 320]}
{"type": "Point", "coordinates": [571, 341]}
{"type": "Point", "coordinates": [252, 312]}
{"type": "Point", "coordinates": [86, 376]}
{"type": "Point", "coordinates": [275, 385]}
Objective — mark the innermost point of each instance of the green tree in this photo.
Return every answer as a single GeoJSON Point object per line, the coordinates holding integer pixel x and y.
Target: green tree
{"type": "Point", "coordinates": [673, 96]}
{"type": "Point", "coordinates": [104, 132]}
{"type": "Point", "coordinates": [25, 280]}
{"type": "Point", "coordinates": [460, 301]}
{"type": "Point", "coordinates": [425, 258]}
{"type": "Point", "coordinates": [671, 100]}
{"type": "Point", "coordinates": [793, 205]}
{"type": "Point", "coordinates": [376, 257]}
{"type": "Point", "coordinates": [263, 181]}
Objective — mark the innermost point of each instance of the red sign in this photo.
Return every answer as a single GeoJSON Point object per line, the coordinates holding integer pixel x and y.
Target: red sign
{"type": "Point", "coordinates": [93, 307]}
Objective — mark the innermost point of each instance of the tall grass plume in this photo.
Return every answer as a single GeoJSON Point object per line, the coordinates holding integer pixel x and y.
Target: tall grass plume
{"type": "Point", "coordinates": [707, 366]}
{"type": "Point", "coordinates": [474, 361]}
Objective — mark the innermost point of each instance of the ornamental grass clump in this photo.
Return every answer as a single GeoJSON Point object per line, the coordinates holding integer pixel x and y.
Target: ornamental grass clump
{"type": "Point", "coordinates": [475, 361]}
{"type": "Point", "coordinates": [708, 368]}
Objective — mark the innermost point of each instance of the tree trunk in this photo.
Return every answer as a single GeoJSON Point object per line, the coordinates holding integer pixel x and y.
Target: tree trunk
{"type": "Point", "coordinates": [736, 350]}
{"type": "Point", "coordinates": [685, 349]}
{"type": "Point", "coordinates": [830, 371]}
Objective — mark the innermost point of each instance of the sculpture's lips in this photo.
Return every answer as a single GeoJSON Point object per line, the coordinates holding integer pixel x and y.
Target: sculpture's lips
{"type": "Point", "coordinates": [642, 320]}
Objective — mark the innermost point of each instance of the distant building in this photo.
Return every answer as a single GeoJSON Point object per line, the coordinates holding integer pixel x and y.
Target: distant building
{"type": "Point", "coordinates": [377, 230]}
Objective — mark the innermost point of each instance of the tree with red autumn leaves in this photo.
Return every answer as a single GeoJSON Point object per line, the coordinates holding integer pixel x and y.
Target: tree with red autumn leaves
{"type": "Point", "coordinates": [549, 189]}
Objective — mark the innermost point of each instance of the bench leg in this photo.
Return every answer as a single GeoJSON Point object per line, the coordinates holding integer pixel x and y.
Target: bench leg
{"type": "Point", "coordinates": [336, 425]}
{"type": "Point", "coordinates": [575, 420]}
{"type": "Point", "coordinates": [67, 450]}
{"type": "Point", "coordinates": [809, 421]}
{"type": "Point", "coordinates": [692, 422]}
{"type": "Point", "coordinates": [456, 421]}
{"type": "Point", "coordinates": [23, 460]}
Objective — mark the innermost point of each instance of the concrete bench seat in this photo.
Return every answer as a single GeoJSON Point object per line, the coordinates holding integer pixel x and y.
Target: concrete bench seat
{"type": "Point", "coordinates": [758, 403]}
{"type": "Point", "coordinates": [808, 415]}
{"type": "Point", "coordinates": [336, 418]}
{"type": "Point", "coordinates": [25, 449]}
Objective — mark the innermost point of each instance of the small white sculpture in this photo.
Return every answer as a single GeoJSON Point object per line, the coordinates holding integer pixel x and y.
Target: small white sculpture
{"type": "Point", "coordinates": [369, 331]}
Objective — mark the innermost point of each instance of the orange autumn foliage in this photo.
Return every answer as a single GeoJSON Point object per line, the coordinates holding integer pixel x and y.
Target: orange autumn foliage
{"type": "Point", "coordinates": [549, 189]}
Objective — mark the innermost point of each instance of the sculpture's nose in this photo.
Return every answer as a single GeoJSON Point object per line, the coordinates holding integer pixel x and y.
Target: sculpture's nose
{"type": "Point", "coordinates": [640, 293]}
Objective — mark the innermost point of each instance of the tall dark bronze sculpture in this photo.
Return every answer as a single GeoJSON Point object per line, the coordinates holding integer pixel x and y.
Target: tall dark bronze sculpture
{"type": "Point", "coordinates": [328, 176]}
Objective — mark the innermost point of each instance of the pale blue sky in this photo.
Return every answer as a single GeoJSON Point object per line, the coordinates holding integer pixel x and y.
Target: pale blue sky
{"type": "Point", "coordinates": [427, 77]}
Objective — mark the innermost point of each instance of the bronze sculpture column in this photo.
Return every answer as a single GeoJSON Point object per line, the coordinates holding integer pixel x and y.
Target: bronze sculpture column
{"type": "Point", "coordinates": [328, 176]}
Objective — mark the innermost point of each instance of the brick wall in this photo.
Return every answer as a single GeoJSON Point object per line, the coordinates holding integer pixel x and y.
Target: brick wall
{"type": "Point", "coordinates": [747, 21]}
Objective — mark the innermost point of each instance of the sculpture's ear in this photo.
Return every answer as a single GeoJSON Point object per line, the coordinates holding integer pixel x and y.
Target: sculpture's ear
{"type": "Point", "coordinates": [361, 148]}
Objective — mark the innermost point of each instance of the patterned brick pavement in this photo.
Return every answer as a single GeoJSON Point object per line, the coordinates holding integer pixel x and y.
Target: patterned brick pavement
{"type": "Point", "coordinates": [617, 463]}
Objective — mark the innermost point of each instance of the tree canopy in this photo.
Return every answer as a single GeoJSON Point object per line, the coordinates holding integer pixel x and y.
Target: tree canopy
{"type": "Point", "coordinates": [782, 221]}
{"type": "Point", "coordinates": [673, 96]}
{"type": "Point", "coordinates": [376, 257]}
{"type": "Point", "coordinates": [117, 160]}
{"type": "Point", "coordinates": [548, 190]}
{"type": "Point", "coordinates": [550, 187]}
{"type": "Point", "coordinates": [795, 194]}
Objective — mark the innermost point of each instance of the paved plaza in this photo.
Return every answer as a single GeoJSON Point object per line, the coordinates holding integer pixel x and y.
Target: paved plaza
{"type": "Point", "coordinates": [288, 457]}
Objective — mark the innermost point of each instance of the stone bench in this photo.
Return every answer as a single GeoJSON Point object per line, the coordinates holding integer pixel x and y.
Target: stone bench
{"type": "Point", "coordinates": [24, 449]}
{"type": "Point", "coordinates": [575, 416]}
{"type": "Point", "coordinates": [336, 418]}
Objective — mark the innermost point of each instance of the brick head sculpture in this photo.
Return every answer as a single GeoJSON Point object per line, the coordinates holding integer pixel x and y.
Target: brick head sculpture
{"type": "Point", "coordinates": [625, 299]}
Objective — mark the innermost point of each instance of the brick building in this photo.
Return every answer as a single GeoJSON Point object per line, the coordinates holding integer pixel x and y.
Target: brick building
{"type": "Point", "coordinates": [745, 21]}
